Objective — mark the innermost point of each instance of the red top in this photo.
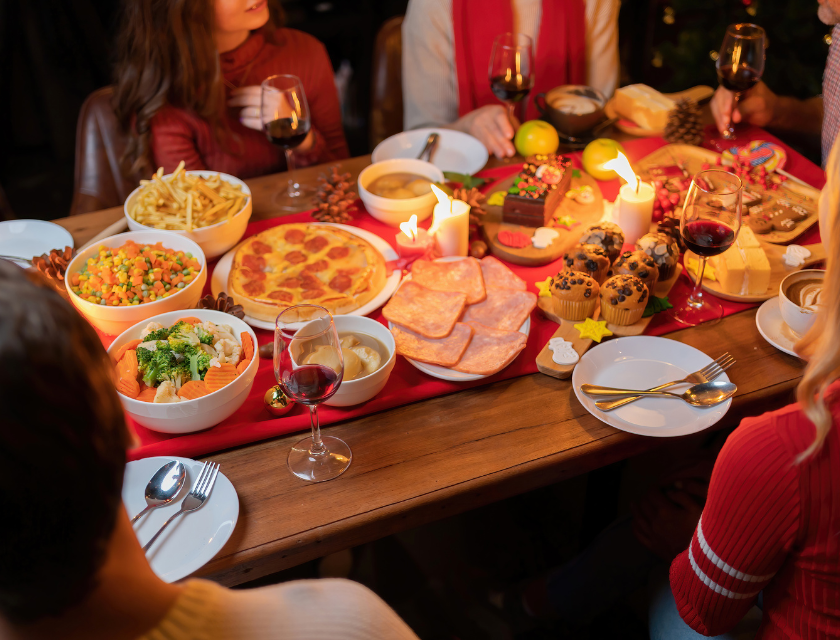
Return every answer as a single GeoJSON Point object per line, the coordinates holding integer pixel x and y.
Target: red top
{"type": "Point", "coordinates": [177, 134]}
{"type": "Point", "coordinates": [560, 56]}
{"type": "Point", "coordinates": [769, 524]}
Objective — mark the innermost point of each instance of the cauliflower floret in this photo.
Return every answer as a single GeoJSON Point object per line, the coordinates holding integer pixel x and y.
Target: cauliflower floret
{"type": "Point", "coordinates": [228, 350]}
{"type": "Point", "coordinates": [167, 392]}
{"type": "Point", "coordinates": [152, 326]}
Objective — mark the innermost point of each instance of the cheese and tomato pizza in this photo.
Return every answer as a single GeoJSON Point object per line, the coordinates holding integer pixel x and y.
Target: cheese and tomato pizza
{"type": "Point", "coordinates": [305, 264]}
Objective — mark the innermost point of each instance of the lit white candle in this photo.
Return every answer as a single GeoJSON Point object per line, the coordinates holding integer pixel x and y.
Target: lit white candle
{"type": "Point", "coordinates": [450, 225]}
{"type": "Point", "coordinates": [634, 206]}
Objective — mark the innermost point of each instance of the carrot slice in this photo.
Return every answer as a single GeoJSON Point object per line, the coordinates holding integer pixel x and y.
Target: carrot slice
{"type": "Point", "coordinates": [240, 368]}
{"type": "Point", "coordinates": [128, 387]}
{"type": "Point", "coordinates": [128, 365]}
{"type": "Point", "coordinates": [189, 320]}
{"type": "Point", "coordinates": [247, 345]}
{"type": "Point", "coordinates": [218, 377]}
{"type": "Point", "coordinates": [147, 394]}
{"type": "Point", "coordinates": [193, 389]}
{"type": "Point", "coordinates": [119, 353]}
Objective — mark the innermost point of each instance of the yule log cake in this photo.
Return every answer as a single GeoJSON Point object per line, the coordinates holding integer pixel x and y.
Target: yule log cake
{"type": "Point", "coordinates": [537, 190]}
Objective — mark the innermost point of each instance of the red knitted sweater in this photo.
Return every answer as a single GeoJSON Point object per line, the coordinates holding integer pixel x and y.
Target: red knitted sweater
{"type": "Point", "coordinates": [178, 135]}
{"type": "Point", "coordinates": [769, 524]}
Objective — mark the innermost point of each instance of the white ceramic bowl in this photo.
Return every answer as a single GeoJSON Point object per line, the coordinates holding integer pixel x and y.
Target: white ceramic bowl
{"type": "Point", "coordinates": [392, 211]}
{"type": "Point", "coordinates": [798, 319]}
{"type": "Point", "coordinates": [202, 413]}
{"type": "Point", "coordinates": [455, 151]}
{"type": "Point", "coordinates": [114, 320]}
{"type": "Point", "coordinates": [216, 239]}
{"type": "Point", "coordinates": [352, 392]}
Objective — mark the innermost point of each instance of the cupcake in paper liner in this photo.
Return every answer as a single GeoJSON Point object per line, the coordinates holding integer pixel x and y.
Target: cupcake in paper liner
{"type": "Point", "coordinates": [590, 259]}
{"type": "Point", "coordinates": [606, 235]}
{"type": "Point", "coordinates": [623, 300]}
{"type": "Point", "coordinates": [637, 263]}
{"type": "Point", "coordinates": [575, 295]}
{"type": "Point", "coordinates": [664, 251]}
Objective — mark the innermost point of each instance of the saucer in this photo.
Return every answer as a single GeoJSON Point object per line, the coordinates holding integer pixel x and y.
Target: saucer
{"type": "Point", "coordinates": [773, 329]}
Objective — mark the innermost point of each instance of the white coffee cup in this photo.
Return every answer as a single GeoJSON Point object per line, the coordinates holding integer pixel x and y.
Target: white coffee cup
{"type": "Point", "coordinates": [797, 318]}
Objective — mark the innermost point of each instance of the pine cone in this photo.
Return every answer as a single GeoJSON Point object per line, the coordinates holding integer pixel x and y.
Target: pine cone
{"type": "Point", "coordinates": [684, 124]}
{"type": "Point", "coordinates": [334, 202]}
{"type": "Point", "coordinates": [475, 199]}
{"type": "Point", "coordinates": [54, 265]}
{"type": "Point", "coordinates": [223, 303]}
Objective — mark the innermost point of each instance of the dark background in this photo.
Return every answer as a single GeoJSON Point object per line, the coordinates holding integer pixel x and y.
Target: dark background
{"type": "Point", "coordinates": [53, 53]}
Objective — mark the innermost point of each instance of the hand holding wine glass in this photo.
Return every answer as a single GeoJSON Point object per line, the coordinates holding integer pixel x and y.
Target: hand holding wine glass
{"type": "Point", "coordinates": [309, 366]}
{"type": "Point", "coordinates": [710, 222]}
{"type": "Point", "coordinates": [740, 64]}
{"type": "Point", "coordinates": [511, 69]}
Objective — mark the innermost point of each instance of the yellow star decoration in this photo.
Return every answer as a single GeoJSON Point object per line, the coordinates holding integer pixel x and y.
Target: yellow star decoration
{"type": "Point", "coordinates": [589, 328]}
{"type": "Point", "coordinates": [544, 287]}
{"type": "Point", "coordinates": [693, 265]}
{"type": "Point", "coordinates": [567, 221]}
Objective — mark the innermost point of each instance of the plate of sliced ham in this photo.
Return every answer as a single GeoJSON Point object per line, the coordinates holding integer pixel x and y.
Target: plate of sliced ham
{"type": "Point", "coordinates": [460, 319]}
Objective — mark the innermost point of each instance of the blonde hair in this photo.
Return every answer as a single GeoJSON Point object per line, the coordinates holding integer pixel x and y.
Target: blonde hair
{"type": "Point", "coordinates": [821, 345]}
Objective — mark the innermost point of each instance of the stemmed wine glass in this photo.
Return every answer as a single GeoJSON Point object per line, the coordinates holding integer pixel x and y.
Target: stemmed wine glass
{"type": "Point", "coordinates": [740, 63]}
{"type": "Point", "coordinates": [710, 222]}
{"type": "Point", "coordinates": [511, 69]}
{"type": "Point", "coordinates": [285, 119]}
{"type": "Point", "coordinates": [309, 367]}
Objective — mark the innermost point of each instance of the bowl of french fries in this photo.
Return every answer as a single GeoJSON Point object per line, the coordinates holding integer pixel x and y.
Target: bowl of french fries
{"type": "Point", "coordinates": [210, 208]}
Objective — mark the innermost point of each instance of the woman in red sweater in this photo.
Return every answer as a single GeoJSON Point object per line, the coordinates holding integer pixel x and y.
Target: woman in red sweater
{"type": "Point", "coordinates": [188, 67]}
{"type": "Point", "coordinates": [771, 522]}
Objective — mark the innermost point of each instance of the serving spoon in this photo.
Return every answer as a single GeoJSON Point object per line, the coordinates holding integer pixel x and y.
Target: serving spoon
{"type": "Point", "coordinates": [164, 486]}
{"type": "Point", "coordinates": [700, 395]}
{"type": "Point", "coordinates": [431, 143]}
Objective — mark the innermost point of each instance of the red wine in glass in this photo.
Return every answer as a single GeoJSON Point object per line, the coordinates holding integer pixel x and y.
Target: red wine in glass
{"type": "Point", "coordinates": [738, 78]}
{"type": "Point", "coordinates": [510, 90]}
{"type": "Point", "coordinates": [287, 132]}
{"type": "Point", "coordinates": [311, 384]}
{"type": "Point", "coordinates": [708, 238]}
{"type": "Point", "coordinates": [511, 69]}
{"type": "Point", "coordinates": [740, 63]}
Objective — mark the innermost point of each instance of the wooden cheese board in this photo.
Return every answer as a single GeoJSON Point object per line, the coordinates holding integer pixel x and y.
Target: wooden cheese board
{"type": "Point", "coordinates": [530, 256]}
{"type": "Point", "coordinates": [567, 331]}
{"type": "Point", "coordinates": [698, 94]}
{"type": "Point", "coordinates": [778, 272]}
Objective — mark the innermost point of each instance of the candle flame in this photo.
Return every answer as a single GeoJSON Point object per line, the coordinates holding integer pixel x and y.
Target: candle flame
{"type": "Point", "coordinates": [410, 228]}
{"type": "Point", "coordinates": [622, 167]}
{"type": "Point", "coordinates": [441, 195]}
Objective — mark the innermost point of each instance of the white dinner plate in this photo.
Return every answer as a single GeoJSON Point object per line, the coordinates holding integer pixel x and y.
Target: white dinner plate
{"type": "Point", "coordinates": [445, 373]}
{"type": "Point", "coordinates": [218, 282]}
{"type": "Point", "coordinates": [772, 327]}
{"type": "Point", "coordinates": [455, 151]}
{"type": "Point", "coordinates": [194, 538]}
{"type": "Point", "coordinates": [29, 238]}
{"type": "Point", "coordinates": [643, 362]}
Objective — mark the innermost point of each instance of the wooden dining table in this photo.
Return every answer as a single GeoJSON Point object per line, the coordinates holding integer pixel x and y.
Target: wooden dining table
{"type": "Point", "coordinates": [439, 457]}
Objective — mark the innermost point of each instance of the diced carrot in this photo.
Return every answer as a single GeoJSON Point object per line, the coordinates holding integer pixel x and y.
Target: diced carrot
{"type": "Point", "coordinates": [175, 266]}
{"type": "Point", "coordinates": [193, 389]}
{"type": "Point", "coordinates": [137, 279]}
{"type": "Point", "coordinates": [76, 278]}
{"type": "Point", "coordinates": [178, 278]}
{"type": "Point", "coordinates": [147, 394]}
{"type": "Point", "coordinates": [190, 320]}
{"type": "Point", "coordinates": [128, 365]}
{"type": "Point", "coordinates": [128, 387]}
{"type": "Point", "coordinates": [165, 277]}
{"type": "Point", "coordinates": [247, 345]}
{"type": "Point", "coordinates": [218, 377]}
{"type": "Point", "coordinates": [131, 344]}
{"type": "Point", "coordinates": [240, 368]}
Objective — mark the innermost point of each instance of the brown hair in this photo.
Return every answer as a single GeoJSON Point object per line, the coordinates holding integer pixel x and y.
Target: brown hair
{"type": "Point", "coordinates": [63, 440]}
{"type": "Point", "coordinates": [166, 55]}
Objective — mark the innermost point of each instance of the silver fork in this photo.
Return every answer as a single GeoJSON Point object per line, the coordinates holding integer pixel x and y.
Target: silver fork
{"type": "Point", "coordinates": [706, 374]}
{"type": "Point", "coordinates": [195, 498]}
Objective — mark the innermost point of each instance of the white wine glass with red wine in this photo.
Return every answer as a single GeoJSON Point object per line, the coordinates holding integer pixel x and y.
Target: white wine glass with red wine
{"type": "Point", "coordinates": [309, 366]}
{"type": "Point", "coordinates": [511, 69]}
{"type": "Point", "coordinates": [740, 63]}
{"type": "Point", "coordinates": [285, 119]}
{"type": "Point", "coordinates": [710, 222]}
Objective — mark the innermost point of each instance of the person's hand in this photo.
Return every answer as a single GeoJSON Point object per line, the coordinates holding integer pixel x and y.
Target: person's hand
{"type": "Point", "coordinates": [756, 106]}
{"type": "Point", "coordinates": [665, 519]}
{"type": "Point", "coordinates": [250, 98]}
{"type": "Point", "coordinates": [491, 126]}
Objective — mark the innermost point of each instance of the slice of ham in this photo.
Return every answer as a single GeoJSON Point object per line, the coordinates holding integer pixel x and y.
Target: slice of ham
{"type": "Point", "coordinates": [498, 276]}
{"type": "Point", "coordinates": [453, 275]}
{"type": "Point", "coordinates": [430, 313]}
{"type": "Point", "coordinates": [490, 350]}
{"type": "Point", "coordinates": [503, 309]}
{"type": "Point", "coordinates": [442, 351]}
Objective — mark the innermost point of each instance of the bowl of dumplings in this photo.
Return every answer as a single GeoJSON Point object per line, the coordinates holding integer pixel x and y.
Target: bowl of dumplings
{"type": "Point", "coordinates": [394, 190]}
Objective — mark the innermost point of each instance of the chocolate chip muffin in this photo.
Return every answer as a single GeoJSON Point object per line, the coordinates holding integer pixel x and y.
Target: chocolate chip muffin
{"type": "Point", "coordinates": [637, 263]}
{"type": "Point", "coordinates": [623, 300]}
{"type": "Point", "coordinates": [575, 295]}
{"type": "Point", "coordinates": [590, 259]}
{"type": "Point", "coordinates": [606, 235]}
{"type": "Point", "coordinates": [664, 251]}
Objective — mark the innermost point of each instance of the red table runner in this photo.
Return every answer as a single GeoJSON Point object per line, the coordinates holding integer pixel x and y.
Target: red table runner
{"type": "Point", "coordinates": [406, 384]}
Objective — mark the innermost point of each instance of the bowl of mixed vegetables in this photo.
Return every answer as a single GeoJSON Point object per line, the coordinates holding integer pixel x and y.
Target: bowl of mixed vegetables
{"type": "Point", "coordinates": [129, 277]}
{"type": "Point", "coordinates": [185, 371]}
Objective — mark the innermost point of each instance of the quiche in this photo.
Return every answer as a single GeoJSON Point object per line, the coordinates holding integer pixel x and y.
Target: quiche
{"type": "Point", "coordinates": [304, 263]}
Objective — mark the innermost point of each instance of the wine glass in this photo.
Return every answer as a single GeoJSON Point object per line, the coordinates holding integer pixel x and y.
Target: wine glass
{"type": "Point", "coordinates": [511, 69]}
{"type": "Point", "coordinates": [308, 365]}
{"type": "Point", "coordinates": [711, 219]}
{"type": "Point", "coordinates": [740, 63]}
{"type": "Point", "coordinates": [285, 119]}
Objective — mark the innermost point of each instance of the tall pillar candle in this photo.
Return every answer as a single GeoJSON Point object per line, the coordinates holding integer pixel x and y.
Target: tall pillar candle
{"type": "Point", "coordinates": [634, 210]}
{"type": "Point", "coordinates": [451, 227]}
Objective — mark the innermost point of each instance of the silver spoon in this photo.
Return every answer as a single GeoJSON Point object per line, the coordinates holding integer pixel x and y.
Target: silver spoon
{"type": "Point", "coordinates": [700, 395]}
{"type": "Point", "coordinates": [164, 486]}
{"type": "Point", "coordinates": [431, 142]}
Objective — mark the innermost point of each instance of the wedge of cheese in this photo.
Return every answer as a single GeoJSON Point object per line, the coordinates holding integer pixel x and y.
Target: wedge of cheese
{"type": "Point", "coordinates": [643, 105]}
{"type": "Point", "coordinates": [743, 269]}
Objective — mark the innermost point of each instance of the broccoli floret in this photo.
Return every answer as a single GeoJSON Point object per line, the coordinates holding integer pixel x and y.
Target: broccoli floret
{"type": "Point", "coordinates": [205, 337]}
{"type": "Point", "coordinates": [199, 363]}
{"type": "Point", "coordinates": [160, 334]}
{"type": "Point", "coordinates": [144, 356]}
{"type": "Point", "coordinates": [157, 367]}
{"type": "Point", "coordinates": [184, 342]}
